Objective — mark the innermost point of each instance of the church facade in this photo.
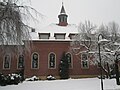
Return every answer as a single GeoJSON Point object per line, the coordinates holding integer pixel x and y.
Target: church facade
{"type": "Point", "coordinates": [48, 46]}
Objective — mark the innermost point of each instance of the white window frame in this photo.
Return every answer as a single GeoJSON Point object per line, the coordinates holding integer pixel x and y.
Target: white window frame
{"type": "Point", "coordinates": [49, 60]}
{"type": "Point", "coordinates": [18, 62]}
{"type": "Point", "coordinates": [71, 60]}
{"type": "Point", "coordinates": [4, 61]}
{"type": "Point", "coordinates": [87, 60]}
{"type": "Point", "coordinates": [32, 60]}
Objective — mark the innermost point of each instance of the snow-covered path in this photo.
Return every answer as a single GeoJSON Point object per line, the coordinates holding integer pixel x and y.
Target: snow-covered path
{"type": "Point", "coordinates": [70, 84]}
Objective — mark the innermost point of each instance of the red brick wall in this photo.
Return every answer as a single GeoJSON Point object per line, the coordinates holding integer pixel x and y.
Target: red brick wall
{"type": "Point", "coordinates": [43, 49]}
{"type": "Point", "coordinates": [14, 60]}
{"type": "Point", "coordinates": [63, 24]}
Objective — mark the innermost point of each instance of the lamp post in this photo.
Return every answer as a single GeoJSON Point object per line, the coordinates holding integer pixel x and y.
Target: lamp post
{"type": "Point", "coordinates": [100, 61]}
{"type": "Point", "coordinates": [116, 68]}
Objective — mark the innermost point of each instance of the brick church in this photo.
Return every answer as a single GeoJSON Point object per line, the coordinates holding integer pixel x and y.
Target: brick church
{"type": "Point", "coordinates": [48, 46]}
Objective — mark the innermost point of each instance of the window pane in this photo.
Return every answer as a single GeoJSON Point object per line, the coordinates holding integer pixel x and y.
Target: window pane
{"type": "Point", "coordinates": [21, 61]}
{"type": "Point", "coordinates": [84, 61]}
{"type": "Point", "coordinates": [52, 60]}
{"type": "Point", "coordinates": [85, 64]}
{"type": "Point", "coordinates": [44, 36]}
{"type": "Point", "coordinates": [60, 37]}
{"type": "Point", "coordinates": [84, 56]}
{"type": "Point", "coordinates": [7, 61]}
{"type": "Point", "coordinates": [35, 60]}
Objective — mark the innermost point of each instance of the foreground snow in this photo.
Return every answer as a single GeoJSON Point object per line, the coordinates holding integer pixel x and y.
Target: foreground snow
{"type": "Point", "coordinates": [70, 84]}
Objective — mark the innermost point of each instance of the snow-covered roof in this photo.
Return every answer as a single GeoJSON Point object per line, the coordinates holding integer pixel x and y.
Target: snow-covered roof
{"type": "Point", "coordinates": [55, 29]}
{"type": "Point", "coordinates": [34, 35]}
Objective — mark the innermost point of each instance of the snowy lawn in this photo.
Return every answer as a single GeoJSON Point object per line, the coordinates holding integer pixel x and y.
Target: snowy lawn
{"type": "Point", "coordinates": [70, 84]}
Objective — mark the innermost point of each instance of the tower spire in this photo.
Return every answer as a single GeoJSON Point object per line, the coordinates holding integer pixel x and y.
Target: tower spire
{"type": "Point", "coordinates": [62, 17]}
{"type": "Point", "coordinates": [62, 9]}
{"type": "Point", "coordinates": [62, 3]}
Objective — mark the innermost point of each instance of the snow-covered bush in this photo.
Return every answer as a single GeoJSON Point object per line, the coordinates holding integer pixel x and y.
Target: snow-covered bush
{"type": "Point", "coordinates": [34, 78]}
{"type": "Point", "coordinates": [2, 80]}
{"type": "Point", "coordinates": [14, 78]}
{"type": "Point", "coordinates": [50, 77]}
{"type": "Point", "coordinates": [9, 79]}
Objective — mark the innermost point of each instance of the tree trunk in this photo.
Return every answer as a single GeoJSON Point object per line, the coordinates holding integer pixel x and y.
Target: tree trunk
{"type": "Point", "coordinates": [108, 68]}
{"type": "Point", "coordinates": [117, 72]}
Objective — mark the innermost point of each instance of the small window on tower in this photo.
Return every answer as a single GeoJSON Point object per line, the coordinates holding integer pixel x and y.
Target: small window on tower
{"type": "Point", "coordinates": [65, 19]}
{"type": "Point", "coordinates": [62, 19]}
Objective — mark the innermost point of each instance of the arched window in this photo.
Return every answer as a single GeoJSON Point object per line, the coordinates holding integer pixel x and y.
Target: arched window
{"type": "Point", "coordinates": [61, 19]}
{"type": "Point", "coordinates": [69, 58]}
{"type": "Point", "coordinates": [52, 60]}
{"type": "Point", "coordinates": [21, 61]}
{"type": "Point", "coordinates": [35, 60]}
{"type": "Point", "coordinates": [84, 61]}
{"type": "Point", "coordinates": [65, 19]}
{"type": "Point", "coordinates": [6, 63]}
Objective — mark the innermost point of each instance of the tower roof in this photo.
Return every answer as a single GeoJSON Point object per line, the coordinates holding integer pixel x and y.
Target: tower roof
{"type": "Point", "coordinates": [62, 9]}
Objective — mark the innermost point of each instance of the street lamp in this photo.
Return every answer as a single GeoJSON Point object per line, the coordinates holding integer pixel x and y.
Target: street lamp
{"type": "Point", "coordinates": [100, 60]}
{"type": "Point", "coordinates": [117, 58]}
{"type": "Point", "coordinates": [116, 68]}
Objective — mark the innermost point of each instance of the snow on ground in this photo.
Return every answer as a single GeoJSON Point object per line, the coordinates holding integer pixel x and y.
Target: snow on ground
{"type": "Point", "coordinates": [70, 84]}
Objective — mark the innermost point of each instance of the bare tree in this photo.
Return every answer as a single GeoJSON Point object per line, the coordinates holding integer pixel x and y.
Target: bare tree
{"type": "Point", "coordinates": [83, 40]}
{"type": "Point", "coordinates": [13, 26]}
{"type": "Point", "coordinates": [88, 39]}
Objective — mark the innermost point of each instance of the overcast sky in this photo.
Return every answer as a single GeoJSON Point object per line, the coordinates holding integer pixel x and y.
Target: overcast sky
{"type": "Point", "coordinates": [97, 11]}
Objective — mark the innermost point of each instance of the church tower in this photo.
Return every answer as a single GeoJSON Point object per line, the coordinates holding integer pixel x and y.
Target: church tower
{"type": "Point", "coordinates": [62, 17]}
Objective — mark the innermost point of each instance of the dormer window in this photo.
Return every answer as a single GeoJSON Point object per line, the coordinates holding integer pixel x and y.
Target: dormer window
{"type": "Point", "coordinates": [44, 35]}
{"type": "Point", "coordinates": [72, 36]}
{"type": "Point", "coordinates": [59, 35]}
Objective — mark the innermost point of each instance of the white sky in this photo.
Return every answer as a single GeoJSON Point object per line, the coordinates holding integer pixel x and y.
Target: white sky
{"type": "Point", "coordinates": [97, 11]}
